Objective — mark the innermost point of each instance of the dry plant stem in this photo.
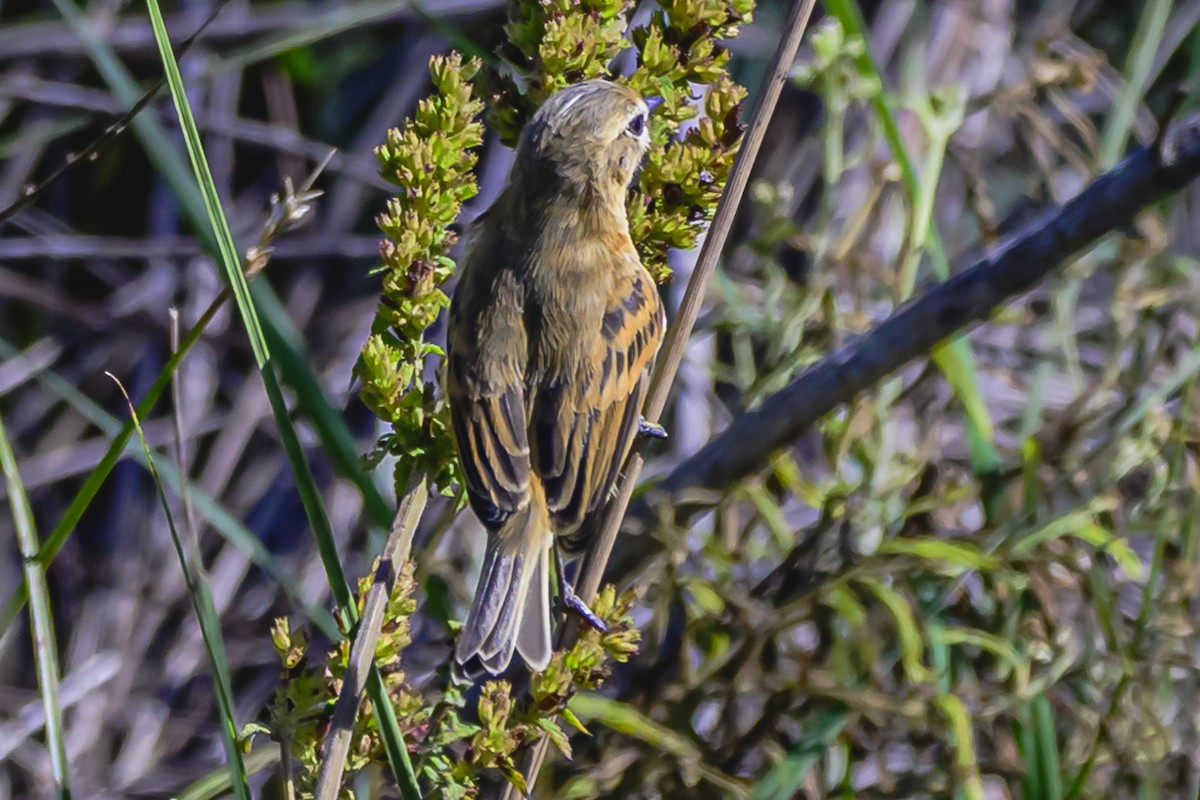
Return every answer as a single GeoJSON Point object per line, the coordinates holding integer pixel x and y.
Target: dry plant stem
{"type": "Point", "coordinates": [191, 529]}
{"type": "Point", "coordinates": [596, 558]}
{"type": "Point", "coordinates": [362, 651]}
{"type": "Point", "coordinates": [285, 769]}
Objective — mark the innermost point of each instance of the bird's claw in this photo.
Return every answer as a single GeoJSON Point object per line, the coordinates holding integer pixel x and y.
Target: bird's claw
{"type": "Point", "coordinates": [651, 430]}
{"type": "Point", "coordinates": [569, 602]}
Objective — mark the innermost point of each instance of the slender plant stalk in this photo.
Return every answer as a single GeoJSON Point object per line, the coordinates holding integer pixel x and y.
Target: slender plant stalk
{"type": "Point", "coordinates": [206, 615]}
{"type": "Point", "coordinates": [587, 582]}
{"type": "Point", "coordinates": [83, 498]}
{"type": "Point", "coordinates": [191, 528]}
{"type": "Point", "coordinates": [693, 298]}
{"type": "Point", "coordinates": [362, 651]}
{"type": "Point", "coordinates": [309, 495]}
{"type": "Point", "coordinates": [45, 651]}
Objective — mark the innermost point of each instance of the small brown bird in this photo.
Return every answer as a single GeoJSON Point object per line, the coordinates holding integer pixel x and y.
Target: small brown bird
{"type": "Point", "coordinates": [553, 331]}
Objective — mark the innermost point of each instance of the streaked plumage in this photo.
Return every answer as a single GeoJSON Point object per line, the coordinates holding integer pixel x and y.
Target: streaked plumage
{"type": "Point", "coordinates": [553, 331]}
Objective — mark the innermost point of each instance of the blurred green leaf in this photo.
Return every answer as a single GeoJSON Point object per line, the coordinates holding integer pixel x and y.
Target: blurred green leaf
{"type": "Point", "coordinates": [911, 641]}
{"type": "Point", "coordinates": [954, 557]}
{"type": "Point", "coordinates": [625, 719]}
{"type": "Point", "coordinates": [965, 761]}
{"type": "Point", "coordinates": [41, 622]}
{"type": "Point", "coordinates": [784, 779]}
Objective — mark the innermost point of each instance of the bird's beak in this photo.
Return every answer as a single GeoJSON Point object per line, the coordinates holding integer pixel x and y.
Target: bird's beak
{"type": "Point", "coordinates": [653, 103]}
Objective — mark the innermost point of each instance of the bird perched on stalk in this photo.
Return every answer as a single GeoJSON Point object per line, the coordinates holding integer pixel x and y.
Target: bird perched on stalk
{"type": "Point", "coordinates": [553, 330]}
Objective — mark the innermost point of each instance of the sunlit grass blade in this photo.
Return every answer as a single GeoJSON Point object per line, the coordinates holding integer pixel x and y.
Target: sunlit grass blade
{"type": "Point", "coordinates": [45, 649]}
{"type": "Point", "coordinates": [217, 783]}
{"type": "Point", "coordinates": [206, 616]}
{"type": "Point", "coordinates": [215, 514]}
{"type": "Point", "coordinates": [965, 761]}
{"type": "Point", "coordinates": [309, 495]}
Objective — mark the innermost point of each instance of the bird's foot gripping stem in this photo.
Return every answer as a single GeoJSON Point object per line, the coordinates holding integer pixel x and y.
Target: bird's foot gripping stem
{"type": "Point", "coordinates": [651, 430]}
{"type": "Point", "coordinates": [569, 602]}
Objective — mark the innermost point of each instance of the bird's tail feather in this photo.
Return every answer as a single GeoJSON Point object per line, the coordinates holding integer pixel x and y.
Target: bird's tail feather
{"type": "Point", "coordinates": [511, 609]}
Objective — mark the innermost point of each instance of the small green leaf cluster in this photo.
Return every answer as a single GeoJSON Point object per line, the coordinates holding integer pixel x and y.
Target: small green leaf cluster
{"type": "Point", "coordinates": [453, 753]}
{"type": "Point", "coordinates": [551, 44]}
{"type": "Point", "coordinates": [303, 703]}
{"type": "Point", "coordinates": [834, 64]}
{"type": "Point", "coordinates": [682, 179]}
{"type": "Point", "coordinates": [506, 724]}
{"type": "Point", "coordinates": [431, 160]}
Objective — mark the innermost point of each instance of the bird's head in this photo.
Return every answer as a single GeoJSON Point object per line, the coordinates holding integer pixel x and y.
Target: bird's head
{"type": "Point", "coordinates": [587, 139]}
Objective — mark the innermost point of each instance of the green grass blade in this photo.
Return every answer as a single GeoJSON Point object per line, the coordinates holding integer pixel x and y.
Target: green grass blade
{"type": "Point", "coordinates": [1045, 742]}
{"type": "Point", "coordinates": [216, 783]}
{"type": "Point", "coordinates": [83, 498]}
{"type": "Point", "coordinates": [210, 623]}
{"type": "Point", "coordinates": [232, 265]}
{"type": "Point", "coordinates": [626, 719]}
{"type": "Point", "coordinates": [215, 514]}
{"type": "Point", "coordinates": [311, 403]}
{"type": "Point", "coordinates": [42, 621]}
{"type": "Point", "coordinates": [310, 497]}
{"type": "Point", "coordinates": [1142, 50]}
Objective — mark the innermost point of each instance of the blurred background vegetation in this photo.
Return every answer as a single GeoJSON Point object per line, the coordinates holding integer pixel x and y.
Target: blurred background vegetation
{"type": "Point", "coordinates": [977, 580]}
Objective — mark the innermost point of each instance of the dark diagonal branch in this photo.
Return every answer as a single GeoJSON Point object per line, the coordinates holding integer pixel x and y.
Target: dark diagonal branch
{"type": "Point", "coordinates": [1110, 203]}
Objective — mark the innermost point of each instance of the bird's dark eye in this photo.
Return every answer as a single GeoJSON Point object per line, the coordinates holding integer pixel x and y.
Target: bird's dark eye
{"type": "Point", "coordinates": [637, 125]}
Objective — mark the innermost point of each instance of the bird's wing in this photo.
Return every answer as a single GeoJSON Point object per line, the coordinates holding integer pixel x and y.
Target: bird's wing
{"type": "Point", "coordinates": [486, 348]}
{"type": "Point", "coordinates": [583, 424]}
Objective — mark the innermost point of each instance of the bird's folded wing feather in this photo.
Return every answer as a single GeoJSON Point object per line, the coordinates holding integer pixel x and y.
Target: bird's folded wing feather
{"type": "Point", "coordinates": [486, 354]}
{"type": "Point", "coordinates": [584, 424]}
